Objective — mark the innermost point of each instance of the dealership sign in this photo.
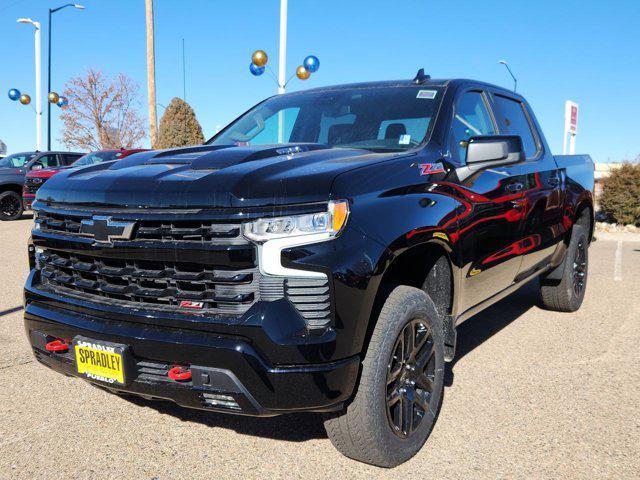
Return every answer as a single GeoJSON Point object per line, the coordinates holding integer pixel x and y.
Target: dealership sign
{"type": "Point", "coordinates": [570, 126]}
{"type": "Point", "coordinates": [571, 117]}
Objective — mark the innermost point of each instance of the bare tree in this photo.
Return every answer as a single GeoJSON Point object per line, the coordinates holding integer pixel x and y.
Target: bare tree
{"type": "Point", "coordinates": [102, 112]}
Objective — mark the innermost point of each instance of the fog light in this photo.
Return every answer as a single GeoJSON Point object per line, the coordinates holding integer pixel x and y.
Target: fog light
{"type": "Point", "coordinates": [220, 400]}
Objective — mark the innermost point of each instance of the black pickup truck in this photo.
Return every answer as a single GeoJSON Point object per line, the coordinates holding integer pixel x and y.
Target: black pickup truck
{"type": "Point", "coordinates": [316, 255]}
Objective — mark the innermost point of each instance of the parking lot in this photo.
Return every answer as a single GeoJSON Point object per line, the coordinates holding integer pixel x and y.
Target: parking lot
{"type": "Point", "coordinates": [532, 394]}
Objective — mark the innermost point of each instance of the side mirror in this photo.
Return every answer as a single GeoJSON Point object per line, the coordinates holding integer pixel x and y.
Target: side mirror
{"type": "Point", "coordinates": [37, 166]}
{"type": "Point", "coordinates": [493, 150]}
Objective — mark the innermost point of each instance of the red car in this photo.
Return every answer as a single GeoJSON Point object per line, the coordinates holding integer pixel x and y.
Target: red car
{"type": "Point", "coordinates": [35, 178]}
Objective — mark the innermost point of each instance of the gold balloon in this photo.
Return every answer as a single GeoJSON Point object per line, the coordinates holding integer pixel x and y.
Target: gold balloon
{"type": "Point", "coordinates": [302, 73]}
{"type": "Point", "coordinates": [25, 99]}
{"type": "Point", "coordinates": [53, 97]}
{"type": "Point", "coordinates": [259, 58]}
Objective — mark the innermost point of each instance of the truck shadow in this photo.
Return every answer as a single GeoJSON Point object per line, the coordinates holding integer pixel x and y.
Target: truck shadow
{"type": "Point", "coordinates": [296, 427]}
{"type": "Point", "coordinates": [481, 327]}
{"type": "Point", "coordinates": [303, 427]}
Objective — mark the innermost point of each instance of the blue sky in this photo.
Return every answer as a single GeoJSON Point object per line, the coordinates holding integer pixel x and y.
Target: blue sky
{"type": "Point", "coordinates": [585, 50]}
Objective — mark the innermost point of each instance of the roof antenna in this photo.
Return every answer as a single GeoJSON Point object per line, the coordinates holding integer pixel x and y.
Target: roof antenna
{"type": "Point", "coordinates": [421, 77]}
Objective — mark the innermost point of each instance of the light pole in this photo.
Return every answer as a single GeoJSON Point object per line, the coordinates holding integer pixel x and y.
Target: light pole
{"type": "Point", "coordinates": [38, 81]}
{"type": "Point", "coordinates": [282, 60]}
{"type": "Point", "coordinates": [51, 12]}
{"type": "Point", "coordinates": [515, 80]}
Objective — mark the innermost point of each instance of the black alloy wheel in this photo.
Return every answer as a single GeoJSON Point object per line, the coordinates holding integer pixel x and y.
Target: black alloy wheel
{"type": "Point", "coordinates": [579, 268]}
{"type": "Point", "coordinates": [411, 378]}
{"type": "Point", "coordinates": [10, 206]}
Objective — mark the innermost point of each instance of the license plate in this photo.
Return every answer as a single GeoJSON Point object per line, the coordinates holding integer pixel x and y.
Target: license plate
{"type": "Point", "coordinates": [98, 360]}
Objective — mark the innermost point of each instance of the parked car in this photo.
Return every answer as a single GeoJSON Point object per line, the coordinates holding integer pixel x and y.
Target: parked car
{"type": "Point", "coordinates": [316, 255]}
{"type": "Point", "coordinates": [13, 169]}
{"type": "Point", "coordinates": [35, 178]}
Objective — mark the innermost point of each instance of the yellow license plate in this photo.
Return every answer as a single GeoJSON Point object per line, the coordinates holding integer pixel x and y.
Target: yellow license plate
{"type": "Point", "coordinates": [98, 361]}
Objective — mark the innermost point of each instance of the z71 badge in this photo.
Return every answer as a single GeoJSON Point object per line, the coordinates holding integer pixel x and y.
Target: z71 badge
{"type": "Point", "coordinates": [431, 168]}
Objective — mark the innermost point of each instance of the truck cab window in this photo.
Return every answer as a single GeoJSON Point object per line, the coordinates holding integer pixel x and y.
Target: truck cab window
{"type": "Point", "coordinates": [513, 121]}
{"type": "Point", "coordinates": [471, 119]}
{"type": "Point", "coordinates": [47, 161]}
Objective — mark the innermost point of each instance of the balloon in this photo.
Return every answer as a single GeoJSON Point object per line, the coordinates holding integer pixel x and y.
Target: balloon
{"type": "Point", "coordinates": [14, 94]}
{"type": "Point", "coordinates": [62, 102]}
{"type": "Point", "coordinates": [259, 58]}
{"type": "Point", "coordinates": [256, 70]}
{"type": "Point", "coordinates": [53, 97]}
{"type": "Point", "coordinates": [311, 63]}
{"type": "Point", "coordinates": [302, 73]}
{"type": "Point", "coordinates": [25, 99]}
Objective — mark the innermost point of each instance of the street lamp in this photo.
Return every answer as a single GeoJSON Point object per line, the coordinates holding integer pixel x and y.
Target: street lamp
{"type": "Point", "coordinates": [38, 81]}
{"type": "Point", "coordinates": [51, 12]}
{"type": "Point", "coordinates": [515, 80]}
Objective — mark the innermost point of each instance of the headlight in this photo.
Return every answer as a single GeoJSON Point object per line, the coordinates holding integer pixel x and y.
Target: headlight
{"type": "Point", "coordinates": [329, 223]}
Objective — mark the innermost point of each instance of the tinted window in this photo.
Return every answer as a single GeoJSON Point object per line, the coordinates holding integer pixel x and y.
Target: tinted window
{"type": "Point", "coordinates": [47, 161]}
{"type": "Point", "coordinates": [513, 120]}
{"type": "Point", "coordinates": [373, 118]}
{"type": "Point", "coordinates": [96, 157]}
{"type": "Point", "coordinates": [70, 158]}
{"type": "Point", "coordinates": [16, 160]}
{"type": "Point", "coordinates": [471, 119]}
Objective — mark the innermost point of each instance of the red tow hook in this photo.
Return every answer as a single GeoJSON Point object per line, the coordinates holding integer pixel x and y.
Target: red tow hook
{"type": "Point", "coordinates": [57, 346]}
{"type": "Point", "coordinates": [179, 374]}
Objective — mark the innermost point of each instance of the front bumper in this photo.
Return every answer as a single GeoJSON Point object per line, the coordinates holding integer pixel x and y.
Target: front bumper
{"type": "Point", "coordinates": [221, 365]}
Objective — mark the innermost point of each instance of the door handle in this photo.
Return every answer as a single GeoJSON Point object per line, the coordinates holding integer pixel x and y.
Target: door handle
{"type": "Point", "coordinates": [515, 187]}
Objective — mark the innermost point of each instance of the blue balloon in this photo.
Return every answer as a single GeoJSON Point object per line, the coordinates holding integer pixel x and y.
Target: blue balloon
{"type": "Point", "coordinates": [62, 102]}
{"type": "Point", "coordinates": [311, 63]}
{"type": "Point", "coordinates": [256, 70]}
{"type": "Point", "coordinates": [14, 94]}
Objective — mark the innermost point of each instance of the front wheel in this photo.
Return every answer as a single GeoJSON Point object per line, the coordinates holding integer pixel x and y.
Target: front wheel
{"type": "Point", "coordinates": [10, 206]}
{"type": "Point", "coordinates": [401, 386]}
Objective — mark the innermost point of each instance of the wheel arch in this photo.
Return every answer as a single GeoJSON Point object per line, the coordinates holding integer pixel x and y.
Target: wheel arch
{"type": "Point", "coordinates": [11, 187]}
{"type": "Point", "coordinates": [411, 266]}
{"type": "Point", "coordinates": [585, 216]}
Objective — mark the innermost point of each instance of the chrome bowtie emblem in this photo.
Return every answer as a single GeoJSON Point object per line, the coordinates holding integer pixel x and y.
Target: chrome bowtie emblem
{"type": "Point", "coordinates": [106, 230]}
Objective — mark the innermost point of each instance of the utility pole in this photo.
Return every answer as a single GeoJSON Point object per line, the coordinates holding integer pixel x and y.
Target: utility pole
{"type": "Point", "coordinates": [151, 75]}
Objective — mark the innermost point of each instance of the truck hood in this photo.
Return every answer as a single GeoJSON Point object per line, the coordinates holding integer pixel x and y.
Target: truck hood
{"type": "Point", "coordinates": [211, 177]}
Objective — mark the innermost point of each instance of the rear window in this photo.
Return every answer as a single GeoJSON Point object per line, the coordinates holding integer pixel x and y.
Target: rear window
{"type": "Point", "coordinates": [513, 120]}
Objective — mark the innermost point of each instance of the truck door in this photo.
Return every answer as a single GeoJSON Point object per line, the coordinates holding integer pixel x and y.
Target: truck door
{"type": "Point", "coordinates": [541, 181]}
{"type": "Point", "coordinates": [490, 219]}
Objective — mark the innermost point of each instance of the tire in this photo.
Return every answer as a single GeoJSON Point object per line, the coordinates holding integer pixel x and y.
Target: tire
{"type": "Point", "coordinates": [367, 430]}
{"type": "Point", "coordinates": [567, 294]}
{"type": "Point", "coordinates": [11, 206]}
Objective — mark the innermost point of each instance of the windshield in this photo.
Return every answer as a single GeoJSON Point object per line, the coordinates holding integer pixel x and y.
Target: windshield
{"type": "Point", "coordinates": [17, 160]}
{"type": "Point", "coordinates": [95, 157]}
{"type": "Point", "coordinates": [373, 118]}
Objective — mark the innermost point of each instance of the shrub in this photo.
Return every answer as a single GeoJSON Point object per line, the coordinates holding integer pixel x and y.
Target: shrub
{"type": "Point", "coordinates": [179, 126]}
{"type": "Point", "coordinates": [621, 194]}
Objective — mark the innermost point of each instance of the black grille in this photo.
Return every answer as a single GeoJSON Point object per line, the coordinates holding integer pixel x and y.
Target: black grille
{"type": "Point", "coordinates": [152, 230]}
{"type": "Point", "coordinates": [148, 284]}
{"type": "Point", "coordinates": [31, 186]}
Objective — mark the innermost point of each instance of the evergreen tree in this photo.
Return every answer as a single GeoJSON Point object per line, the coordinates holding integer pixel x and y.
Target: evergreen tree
{"type": "Point", "coordinates": [179, 126]}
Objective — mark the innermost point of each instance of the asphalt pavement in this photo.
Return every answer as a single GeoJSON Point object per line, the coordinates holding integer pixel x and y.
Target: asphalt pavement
{"type": "Point", "coordinates": [531, 394]}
